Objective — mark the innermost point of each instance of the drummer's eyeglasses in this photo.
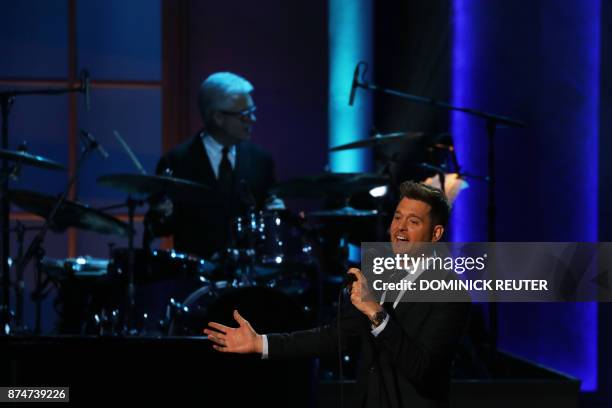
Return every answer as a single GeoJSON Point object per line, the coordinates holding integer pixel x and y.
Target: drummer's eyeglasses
{"type": "Point", "coordinates": [245, 114]}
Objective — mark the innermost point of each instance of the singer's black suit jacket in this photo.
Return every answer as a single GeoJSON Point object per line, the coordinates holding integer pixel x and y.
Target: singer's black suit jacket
{"type": "Point", "coordinates": [407, 365]}
{"type": "Point", "coordinates": [201, 228]}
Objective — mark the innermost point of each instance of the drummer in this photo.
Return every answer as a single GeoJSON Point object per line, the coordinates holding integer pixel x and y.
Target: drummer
{"type": "Point", "coordinates": [221, 156]}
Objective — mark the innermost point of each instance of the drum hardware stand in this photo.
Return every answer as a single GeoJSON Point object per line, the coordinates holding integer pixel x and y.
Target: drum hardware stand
{"type": "Point", "coordinates": [130, 327]}
{"type": "Point", "coordinates": [14, 170]}
{"type": "Point", "coordinates": [240, 262]}
{"type": "Point", "coordinates": [130, 323]}
{"type": "Point", "coordinates": [129, 319]}
{"type": "Point", "coordinates": [20, 229]}
{"type": "Point", "coordinates": [147, 238]}
{"type": "Point", "coordinates": [7, 98]}
{"type": "Point", "coordinates": [104, 325]}
{"type": "Point", "coordinates": [35, 248]}
{"type": "Point", "coordinates": [492, 122]}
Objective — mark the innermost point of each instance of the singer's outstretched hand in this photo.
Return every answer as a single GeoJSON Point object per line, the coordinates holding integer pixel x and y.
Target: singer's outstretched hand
{"type": "Point", "coordinates": [242, 339]}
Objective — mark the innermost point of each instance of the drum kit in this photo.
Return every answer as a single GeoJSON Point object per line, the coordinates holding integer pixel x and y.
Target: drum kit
{"type": "Point", "coordinates": [273, 249]}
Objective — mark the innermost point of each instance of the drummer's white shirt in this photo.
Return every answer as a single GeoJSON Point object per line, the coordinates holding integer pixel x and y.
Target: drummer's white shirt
{"type": "Point", "coordinates": [214, 150]}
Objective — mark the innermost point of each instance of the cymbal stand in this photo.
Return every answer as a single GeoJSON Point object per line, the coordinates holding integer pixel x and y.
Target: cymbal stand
{"type": "Point", "coordinates": [20, 229]}
{"type": "Point", "coordinates": [35, 247]}
{"type": "Point", "coordinates": [7, 98]}
{"type": "Point", "coordinates": [129, 316]}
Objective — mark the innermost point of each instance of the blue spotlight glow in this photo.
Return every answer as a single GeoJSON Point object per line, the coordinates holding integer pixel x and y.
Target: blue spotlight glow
{"type": "Point", "coordinates": [350, 40]}
{"type": "Point", "coordinates": [581, 22]}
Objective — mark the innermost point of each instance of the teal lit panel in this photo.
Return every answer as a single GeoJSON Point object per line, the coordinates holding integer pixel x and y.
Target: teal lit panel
{"type": "Point", "coordinates": [350, 41]}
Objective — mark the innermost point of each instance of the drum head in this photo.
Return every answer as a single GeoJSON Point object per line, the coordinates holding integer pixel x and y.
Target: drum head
{"type": "Point", "coordinates": [268, 310]}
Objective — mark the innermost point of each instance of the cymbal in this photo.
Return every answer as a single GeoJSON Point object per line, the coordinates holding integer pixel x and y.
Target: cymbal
{"type": "Point", "coordinates": [142, 184]}
{"type": "Point", "coordinates": [70, 214]}
{"type": "Point", "coordinates": [431, 167]}
{"type": "Point", "coordinates": [329, 184]}
{"type": "Point", "coordinates": [30, 159]}
{"type": "Point", "coordinates": [346, 211]}
{"type": "Point", "coordinates": [377, 139]}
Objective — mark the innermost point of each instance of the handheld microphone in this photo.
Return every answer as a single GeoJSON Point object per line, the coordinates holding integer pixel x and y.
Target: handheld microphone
{"type": "Point", "coordinates": [349, 278]}
{"type": "Point", "coordinates": [93, 143]}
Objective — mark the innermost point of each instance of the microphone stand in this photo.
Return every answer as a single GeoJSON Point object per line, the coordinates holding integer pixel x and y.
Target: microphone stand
{"type": "Point", "coordinates": [492, 122]}
{"type": "Point", "coordinates": [7, 98]}
{"type": "Point", "coordinates": [35, 247]}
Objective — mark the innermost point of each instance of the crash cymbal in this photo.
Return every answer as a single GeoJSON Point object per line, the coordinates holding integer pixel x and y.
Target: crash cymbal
{"type": "Point", "coordinates": [346, 211]}
{"type": "Point", "coordinates": [142, 184]}
{"type": "Point", "coordinates": [377, 139]}
{"type": "Point", "coordinates": [329, 184]}
{"type": "Point", "coordinates": [70, 214]}
{"type": "Point", "coordinates": [30, 159]}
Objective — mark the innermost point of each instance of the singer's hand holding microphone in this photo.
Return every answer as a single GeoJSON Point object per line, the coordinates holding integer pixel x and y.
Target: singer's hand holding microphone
{"type": "Point", "coordinates": [360, 294]}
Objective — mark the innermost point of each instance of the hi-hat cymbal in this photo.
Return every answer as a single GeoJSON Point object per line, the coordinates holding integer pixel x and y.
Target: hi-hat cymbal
{"type": "Point", "coordinates": [346, 211]}
{"type": "Point", "coordinates": [142, 184]}
{"type": "Point", "coordinates": [70, 213]}
{"type": "Point", "coordinates": [30, 159]}
{"type": "Point", "coordinates": [329, 184]}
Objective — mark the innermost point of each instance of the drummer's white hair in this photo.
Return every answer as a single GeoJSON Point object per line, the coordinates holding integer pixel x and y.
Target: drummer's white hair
{"type": "Point", "coordinates": [218, 90]}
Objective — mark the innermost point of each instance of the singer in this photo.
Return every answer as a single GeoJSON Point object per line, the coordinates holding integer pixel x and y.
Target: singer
{"type": "Point", "coordinates": [405, 349]}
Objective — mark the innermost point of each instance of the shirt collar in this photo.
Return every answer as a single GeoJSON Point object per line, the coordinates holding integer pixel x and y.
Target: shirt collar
{"type": "Point", "coordinates": [212, 144]}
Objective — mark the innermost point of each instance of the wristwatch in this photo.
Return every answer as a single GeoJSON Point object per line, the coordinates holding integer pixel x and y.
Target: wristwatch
{"type": "Point", "coordinates": [378, 318]}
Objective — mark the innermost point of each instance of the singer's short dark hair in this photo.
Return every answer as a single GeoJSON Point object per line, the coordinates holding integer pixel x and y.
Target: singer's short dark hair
{"type": "Point", "coordinates": [440, 207]}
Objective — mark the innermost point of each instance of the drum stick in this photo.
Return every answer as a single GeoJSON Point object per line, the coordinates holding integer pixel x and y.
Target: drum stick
{"type": "Point", "coordinates": [130, 153]}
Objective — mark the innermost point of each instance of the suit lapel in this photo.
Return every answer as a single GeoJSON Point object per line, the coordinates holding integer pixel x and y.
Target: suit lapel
{"type": "Point", "coordinates": [242, 164]}
{"type": "Point", "coordinates": [201, 163]}
{"type": "Point", "coordinates": [412, 313]}
{"type": "Point", "coordinates": [404, 308]}
{"type": "Point", "coordinates": [241, 170]}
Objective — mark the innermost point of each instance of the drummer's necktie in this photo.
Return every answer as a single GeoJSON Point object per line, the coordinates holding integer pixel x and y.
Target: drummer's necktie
{"type": "Point", "coordinates": [225, 195]}
{"type": "Point", "coordinates": [225, 172]}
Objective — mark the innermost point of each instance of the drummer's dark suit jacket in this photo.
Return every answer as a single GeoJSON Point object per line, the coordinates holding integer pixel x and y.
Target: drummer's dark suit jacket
{"type": "Point", "coordinates": [201, 228]}
{"type": "Point", "coordinates": [406, 365]}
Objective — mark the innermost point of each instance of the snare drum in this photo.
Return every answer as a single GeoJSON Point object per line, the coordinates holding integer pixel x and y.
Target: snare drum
{"type": "Point", "coordinates": [83, 267]}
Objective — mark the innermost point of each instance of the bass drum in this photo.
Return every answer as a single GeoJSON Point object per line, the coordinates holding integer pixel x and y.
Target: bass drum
{"type": "Point", "coordinates": [229, 380]}
{"type": "Point", "coordinates": [267, 309]}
